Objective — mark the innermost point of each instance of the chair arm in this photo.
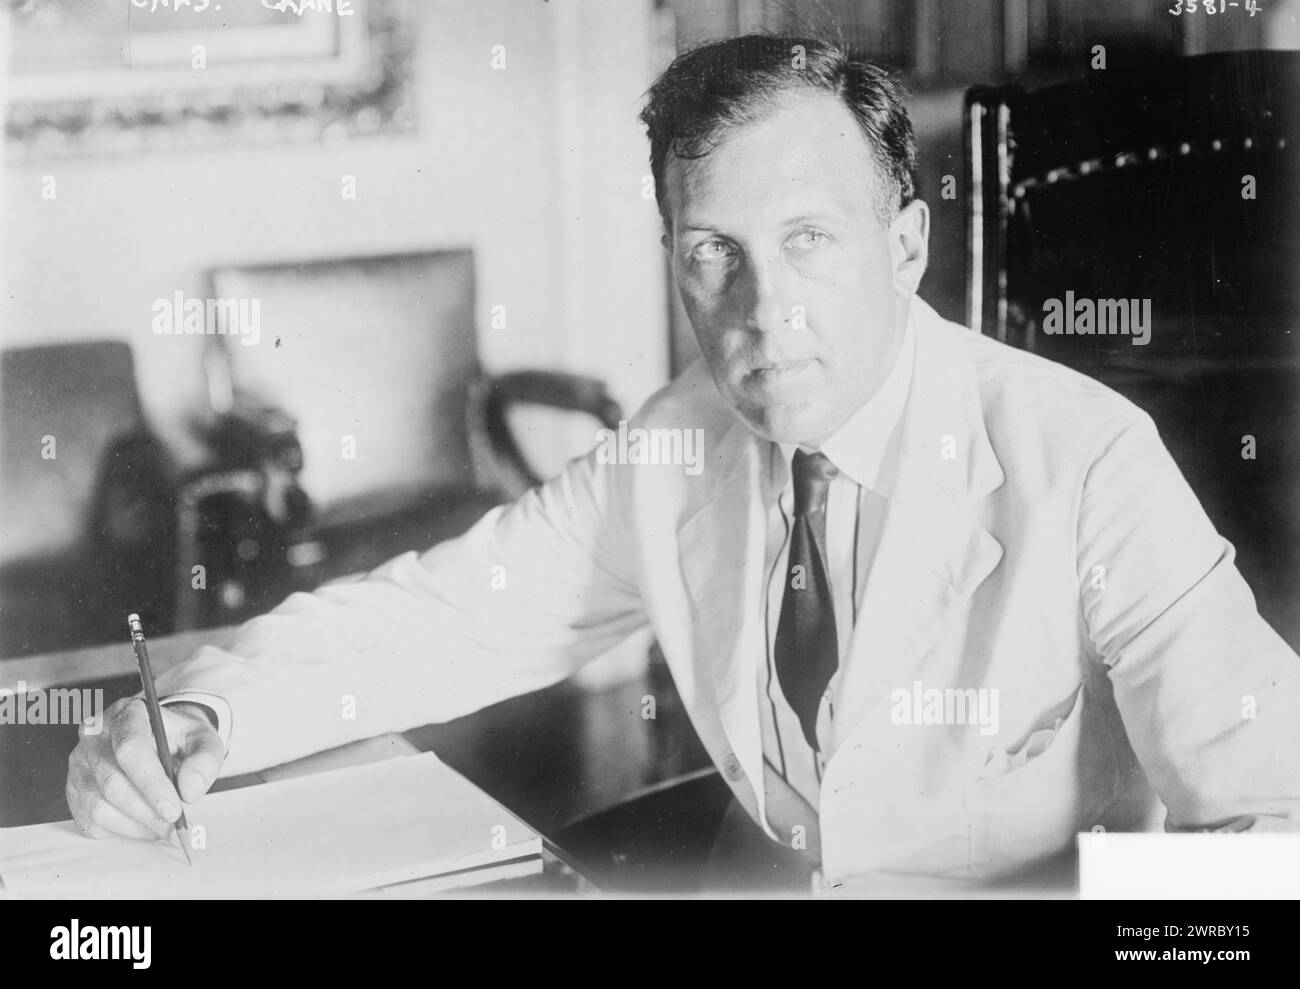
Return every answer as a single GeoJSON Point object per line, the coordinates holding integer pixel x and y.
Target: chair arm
{"type": "Point", "coordinates": [552, 389]}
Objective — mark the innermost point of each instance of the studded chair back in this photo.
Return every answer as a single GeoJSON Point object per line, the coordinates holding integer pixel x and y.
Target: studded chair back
{"type": "Point", "coordinates": [1144, 228]}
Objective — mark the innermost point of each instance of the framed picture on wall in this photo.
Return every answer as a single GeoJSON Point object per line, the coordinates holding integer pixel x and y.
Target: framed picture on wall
{"type": "Point", "coordinates": [91, 78]}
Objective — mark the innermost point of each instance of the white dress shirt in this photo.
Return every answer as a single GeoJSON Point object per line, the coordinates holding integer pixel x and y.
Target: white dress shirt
{"type": "Point", "coordinates": [865, 451]}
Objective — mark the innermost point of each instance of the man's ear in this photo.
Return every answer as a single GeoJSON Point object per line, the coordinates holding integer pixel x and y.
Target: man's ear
{"type": "Point", "coordinates": [909, 246]}
{"type": "Point", "coordinates": [666, 240]}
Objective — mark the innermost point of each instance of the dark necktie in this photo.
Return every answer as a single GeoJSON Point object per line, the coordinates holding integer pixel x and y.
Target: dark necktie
{"type": "Point", "coordinates": [807, 649]}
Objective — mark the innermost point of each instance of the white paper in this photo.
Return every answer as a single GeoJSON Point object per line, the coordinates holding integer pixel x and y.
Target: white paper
{"type": "Point", "coordinates": [328, 834]}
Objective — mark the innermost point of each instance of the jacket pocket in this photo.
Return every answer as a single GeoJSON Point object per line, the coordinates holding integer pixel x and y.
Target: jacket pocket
{"type": "Point", "coordinates": [1033, 811]}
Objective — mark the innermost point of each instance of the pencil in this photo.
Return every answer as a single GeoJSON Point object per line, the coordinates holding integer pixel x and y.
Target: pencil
{"type": "Point", "coordinates": [156, 722]}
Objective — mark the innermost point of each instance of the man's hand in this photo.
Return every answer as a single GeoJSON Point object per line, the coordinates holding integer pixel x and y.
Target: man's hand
{"type": "Point", "coordinates": [117, 786]}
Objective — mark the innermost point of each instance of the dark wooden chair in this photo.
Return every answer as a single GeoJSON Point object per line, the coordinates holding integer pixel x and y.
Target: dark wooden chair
{"type": "Point", "coordinates": [86, 510]}
{"type": "Point", "coordinates": [1178, 184]}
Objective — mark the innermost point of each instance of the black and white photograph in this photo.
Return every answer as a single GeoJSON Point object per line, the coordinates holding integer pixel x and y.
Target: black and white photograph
{"type": "Point", "coordinates": [605, 450]}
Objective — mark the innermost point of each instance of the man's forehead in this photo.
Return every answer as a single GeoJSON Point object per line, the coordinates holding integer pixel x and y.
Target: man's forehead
{"type": "Point", "coordinates": [807, 152]}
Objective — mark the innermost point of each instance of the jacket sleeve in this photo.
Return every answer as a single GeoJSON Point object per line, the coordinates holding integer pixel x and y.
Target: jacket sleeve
{"type": "Point", "coordinates": [1209, 694]}
{"type": "Point", "coordinates": [523, 599]}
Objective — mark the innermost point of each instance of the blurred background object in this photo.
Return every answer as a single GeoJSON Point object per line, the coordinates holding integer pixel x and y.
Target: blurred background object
{"type": "Point", "coordinates": [368, 426]}
{"type": "Point", "coordinates": [86, 517]}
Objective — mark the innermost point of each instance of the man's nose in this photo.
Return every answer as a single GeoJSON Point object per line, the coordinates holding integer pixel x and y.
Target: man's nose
{"type": "Point", "coordinates": [769, 305]}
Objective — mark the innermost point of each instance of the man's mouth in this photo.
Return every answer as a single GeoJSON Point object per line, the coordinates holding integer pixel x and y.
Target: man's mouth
{"type": "Point", "coordinates": [779, 370]}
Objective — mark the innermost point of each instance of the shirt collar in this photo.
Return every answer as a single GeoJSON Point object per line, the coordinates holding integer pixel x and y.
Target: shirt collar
{"type": "Point", "coordinates": [859, 446]}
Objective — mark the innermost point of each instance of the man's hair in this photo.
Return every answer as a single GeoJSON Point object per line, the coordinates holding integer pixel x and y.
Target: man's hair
{"type": "Point", "coordinates": [728, 83]}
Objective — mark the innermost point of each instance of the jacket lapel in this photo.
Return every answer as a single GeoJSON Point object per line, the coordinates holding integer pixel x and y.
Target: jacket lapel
{"type": "Point", "coordinates": [933, 551]}
{"type": "Point", "coordinates": [722, 549]}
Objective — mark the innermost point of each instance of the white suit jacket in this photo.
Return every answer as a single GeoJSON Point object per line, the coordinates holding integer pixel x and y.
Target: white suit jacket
{"type": "Point", "coordinates": [1040, 545]}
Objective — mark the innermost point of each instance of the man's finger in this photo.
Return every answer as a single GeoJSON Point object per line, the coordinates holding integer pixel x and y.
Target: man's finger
{"type": "Point", "coordinates": [113, 785]}
{"type": "Point", "coordinates": [100, 819]}
{"type": "Point", "coordinates": [133, 747]}
{"type": "Point", "coordinates": [200, 763]}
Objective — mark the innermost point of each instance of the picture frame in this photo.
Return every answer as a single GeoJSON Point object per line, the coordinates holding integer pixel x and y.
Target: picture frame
{"type": "Point", "coordinates": [142, 75]}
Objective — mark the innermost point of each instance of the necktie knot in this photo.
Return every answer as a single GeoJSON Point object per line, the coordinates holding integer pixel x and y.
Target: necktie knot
{"type": "Point", "coordinates": [813, 473]}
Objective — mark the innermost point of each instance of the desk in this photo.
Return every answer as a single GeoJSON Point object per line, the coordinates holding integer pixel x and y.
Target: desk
{"type": "Point", "coordinates": [559, 758]}
{"type": "Point", "coordinates": [631, 804]}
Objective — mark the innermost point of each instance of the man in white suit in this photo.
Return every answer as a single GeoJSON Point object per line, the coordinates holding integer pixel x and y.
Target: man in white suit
{"type": "Point", "coordinates": [930, 601]}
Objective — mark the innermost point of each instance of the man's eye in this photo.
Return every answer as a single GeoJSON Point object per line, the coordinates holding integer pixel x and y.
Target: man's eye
{"type": "Point", "coordinates": [807, 240]}
{"type": "Point", "coordinates": [711, 250]}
